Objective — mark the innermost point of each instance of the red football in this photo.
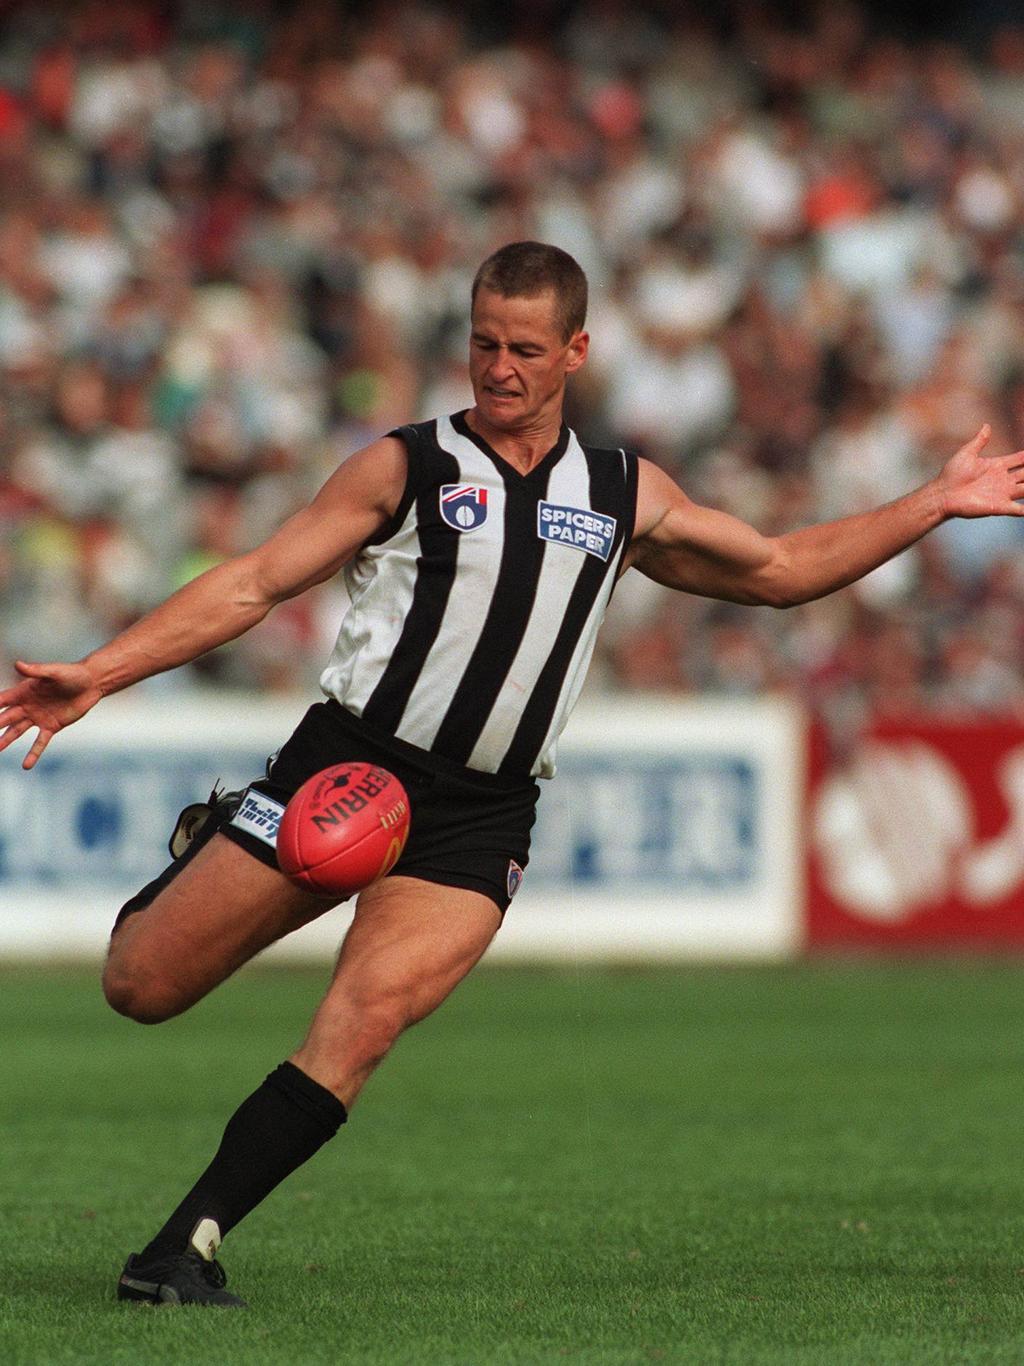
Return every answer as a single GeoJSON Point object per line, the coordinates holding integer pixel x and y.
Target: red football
{"type": "Point", "coordinates": [344, 828]}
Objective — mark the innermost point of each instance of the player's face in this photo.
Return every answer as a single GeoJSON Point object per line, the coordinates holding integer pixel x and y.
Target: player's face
{"type": "Point", "coordinates": [518, 359]}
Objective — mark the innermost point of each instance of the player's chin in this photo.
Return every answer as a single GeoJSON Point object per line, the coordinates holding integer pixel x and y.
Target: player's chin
{"type": "Point", "coordinates": [503, 410]}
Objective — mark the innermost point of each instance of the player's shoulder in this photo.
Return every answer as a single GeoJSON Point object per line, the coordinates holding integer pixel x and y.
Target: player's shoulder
{"type": "Point", "coordinates": [415, 435]}
{"type": "Point", "coordinates": [657, 494]}
{"type": "Point", "coordinates": [618, 454]}
{"type": "Point", "coordinates": [427, 427]}
{"type": "Point", "coordinates": [601, 452]}
{"type": "Point", "coordinates": [611, 457]}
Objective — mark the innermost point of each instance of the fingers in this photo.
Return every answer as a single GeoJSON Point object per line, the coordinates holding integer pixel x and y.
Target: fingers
{"type": "Point", "coordinates": [15, 728]}
{"type": "Point", "coordinates": [41, 741]}
{"type": "Point", "coordinates": [14, 731]}
{"type": "Point", "coordinates": [10, 696]}
{"type": "Point", "coordinates": [31, 670]}
{"type": "Point", "coordinates": [978, 442]}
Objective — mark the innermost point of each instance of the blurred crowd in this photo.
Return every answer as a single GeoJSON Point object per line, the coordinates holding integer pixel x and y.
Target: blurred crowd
{"type": "Point", "coordinates": [236, 242]}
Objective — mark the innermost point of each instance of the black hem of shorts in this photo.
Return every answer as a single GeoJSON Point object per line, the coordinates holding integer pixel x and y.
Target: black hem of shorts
{"type": "Point", "coordinates": [462, 881]}
{"type": "Point", "coordinates": [263, 852]}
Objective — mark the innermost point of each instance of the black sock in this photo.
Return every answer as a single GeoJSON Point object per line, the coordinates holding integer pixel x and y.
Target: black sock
{"type": "Point", "coordinates": [276, 1129]}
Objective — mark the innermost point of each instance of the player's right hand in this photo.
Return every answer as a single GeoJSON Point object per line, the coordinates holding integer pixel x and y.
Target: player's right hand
{"type": "Point", "coordinates": [50, 697]}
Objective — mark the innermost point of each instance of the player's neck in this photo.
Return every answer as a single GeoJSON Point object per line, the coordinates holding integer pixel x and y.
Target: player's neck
{"type": "Point", "coordinates": [523, 448]}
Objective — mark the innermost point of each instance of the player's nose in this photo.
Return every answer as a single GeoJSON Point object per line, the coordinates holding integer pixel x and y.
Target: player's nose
{"type": "Point", "coordinates": [501, 364]}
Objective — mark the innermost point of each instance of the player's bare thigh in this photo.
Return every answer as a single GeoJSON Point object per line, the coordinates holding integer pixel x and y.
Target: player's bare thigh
{"type": "Point", "coordinates": [216, 914]}
{"type": "Point", "coordinates": [410, 944]}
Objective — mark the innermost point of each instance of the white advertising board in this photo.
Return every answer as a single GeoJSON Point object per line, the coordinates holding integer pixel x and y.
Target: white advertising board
{"type": "Point", "coordinates": [672, 829]}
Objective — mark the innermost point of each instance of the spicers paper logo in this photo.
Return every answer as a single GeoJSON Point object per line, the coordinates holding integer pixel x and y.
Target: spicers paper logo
{"type": "Point", "coordinates": [580, 528]}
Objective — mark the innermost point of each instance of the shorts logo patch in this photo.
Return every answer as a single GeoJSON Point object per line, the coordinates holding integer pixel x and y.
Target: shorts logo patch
{"type": "Point", "coordinates": [581, 528]}
{"type": "Point", "coordinates": [515, 878]}
{"type": "Point", "coordinates": [463, 506]}
{"type": "Point", "coordinates": [260, 816]}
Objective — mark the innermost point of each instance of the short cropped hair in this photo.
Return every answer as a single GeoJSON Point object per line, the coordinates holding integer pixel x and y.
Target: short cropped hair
{"type": "Point", "coordinates": [523, 269]}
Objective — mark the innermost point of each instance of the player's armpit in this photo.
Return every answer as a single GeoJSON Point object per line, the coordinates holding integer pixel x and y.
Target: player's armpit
{"type": "Point", "coordinates": [700, 550]}
{"type": "Point", "coordinates": [314, 543]}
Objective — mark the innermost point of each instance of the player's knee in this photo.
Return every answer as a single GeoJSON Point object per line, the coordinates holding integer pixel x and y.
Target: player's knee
{"type": "Point", "coordinates": [138, 995]}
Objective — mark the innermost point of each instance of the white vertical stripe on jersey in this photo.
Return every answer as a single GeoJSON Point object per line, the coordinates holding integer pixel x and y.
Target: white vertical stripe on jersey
{"type": "Point", "coordinates": [479, 555]}
{"type": "Point", "coordinates": [378, 606]}
{"type": "Point", "coordinates": [569, 478]}
{"type": "Point", "coordinates": [577, 671]}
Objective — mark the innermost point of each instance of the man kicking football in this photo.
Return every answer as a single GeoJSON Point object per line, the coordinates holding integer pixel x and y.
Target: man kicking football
{"type": "Point", "coordinates": [480, 551]}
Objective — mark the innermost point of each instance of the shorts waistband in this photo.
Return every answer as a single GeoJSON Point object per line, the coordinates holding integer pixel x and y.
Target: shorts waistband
{"type": "Point", "coordinates": [424, 759]}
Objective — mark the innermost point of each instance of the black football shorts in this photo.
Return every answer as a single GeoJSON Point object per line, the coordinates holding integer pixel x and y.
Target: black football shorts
{"type": "Point", "coordinates": [467, 829]}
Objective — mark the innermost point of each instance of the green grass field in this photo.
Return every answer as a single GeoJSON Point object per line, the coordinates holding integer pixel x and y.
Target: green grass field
{"type": "Point", "coordinates": [810, 1164]}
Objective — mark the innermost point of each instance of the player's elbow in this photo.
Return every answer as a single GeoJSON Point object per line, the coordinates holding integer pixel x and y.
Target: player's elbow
{"type": "Point", "coordinates": [256, 588]}
{"type": "Point", "coordinates": [776, 584]}
{"type": "Point", "coordinates": [782, 599]}
{"type": "Point", "coordinates": [773, 590]}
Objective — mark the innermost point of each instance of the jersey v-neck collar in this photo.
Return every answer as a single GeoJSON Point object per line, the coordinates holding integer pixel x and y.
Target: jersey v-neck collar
{"type": "Point", "coordinates": [505, 467]}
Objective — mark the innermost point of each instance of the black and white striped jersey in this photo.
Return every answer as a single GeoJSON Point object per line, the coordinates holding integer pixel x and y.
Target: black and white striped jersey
{"type": "Point", "coordinates": [474, 611]}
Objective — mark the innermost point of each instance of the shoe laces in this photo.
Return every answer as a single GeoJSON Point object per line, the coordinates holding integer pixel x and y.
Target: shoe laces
{"type": "Point", "coordinates": [210, 1273]}
{"type": "Point", "coordinates": [223, 802]}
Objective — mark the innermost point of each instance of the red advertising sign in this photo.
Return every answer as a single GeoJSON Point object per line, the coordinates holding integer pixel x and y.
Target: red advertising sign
{"type": "Point", "coordinates": [915, 838]}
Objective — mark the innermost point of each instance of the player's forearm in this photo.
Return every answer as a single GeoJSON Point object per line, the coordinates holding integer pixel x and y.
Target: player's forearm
{"type": "Point", "coordinates": [216, 607]}
{"type": "Point", "coordinates": [817, 560]}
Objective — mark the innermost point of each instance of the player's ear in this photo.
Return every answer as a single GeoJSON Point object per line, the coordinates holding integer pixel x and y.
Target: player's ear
{"type": "Point", "coordinates": [579, 345]}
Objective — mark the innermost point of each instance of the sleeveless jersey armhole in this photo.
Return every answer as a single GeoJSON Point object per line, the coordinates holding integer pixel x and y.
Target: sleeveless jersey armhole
{"type": "Point", "coordinates": [631, 474]}
{"type": "Point", "coordinates": [410, 438]}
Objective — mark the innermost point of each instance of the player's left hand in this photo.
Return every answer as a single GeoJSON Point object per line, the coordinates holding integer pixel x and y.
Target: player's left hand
{"type": "Point", "coordinates": [976, 485]}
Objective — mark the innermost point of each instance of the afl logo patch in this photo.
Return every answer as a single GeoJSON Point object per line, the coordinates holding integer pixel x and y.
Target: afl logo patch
{"type": "Point", "coordinates": [463, 506]}
{"type": "Point", "coordinates": [515, 877]}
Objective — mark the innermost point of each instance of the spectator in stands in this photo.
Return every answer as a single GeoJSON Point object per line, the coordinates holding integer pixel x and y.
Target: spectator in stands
{"type": "Point", "coordinates": [234, 240]}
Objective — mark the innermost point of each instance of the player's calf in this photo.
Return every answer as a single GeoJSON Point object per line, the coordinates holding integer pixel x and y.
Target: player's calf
{"type": "Point", "coordinates": [347, 1042]}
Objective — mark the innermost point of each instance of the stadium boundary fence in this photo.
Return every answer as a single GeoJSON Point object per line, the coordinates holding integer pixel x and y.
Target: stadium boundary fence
{"type": "Point", "coordinates": [672, 830]}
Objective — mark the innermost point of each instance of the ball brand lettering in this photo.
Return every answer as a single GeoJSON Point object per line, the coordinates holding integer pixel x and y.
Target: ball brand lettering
{"type": "Point", "coordinates": [357, 799]}
{"type": "Point", "coordinates": [580, 528]}
{"type": "Point", "coordinates": [393, 816]}
{"type": "Point", "coordinates": [342, 809]}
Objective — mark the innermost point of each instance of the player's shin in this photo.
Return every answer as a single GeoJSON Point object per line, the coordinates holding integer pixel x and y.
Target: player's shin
{"type": "Point", "coordinates": [273, 1132]}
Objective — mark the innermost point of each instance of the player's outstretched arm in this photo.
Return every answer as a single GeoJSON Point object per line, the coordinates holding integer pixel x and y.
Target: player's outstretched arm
{"type": "Point", "coordinates": [219, 605]}
{"type": "Point", "coordinates": [696, 549]}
